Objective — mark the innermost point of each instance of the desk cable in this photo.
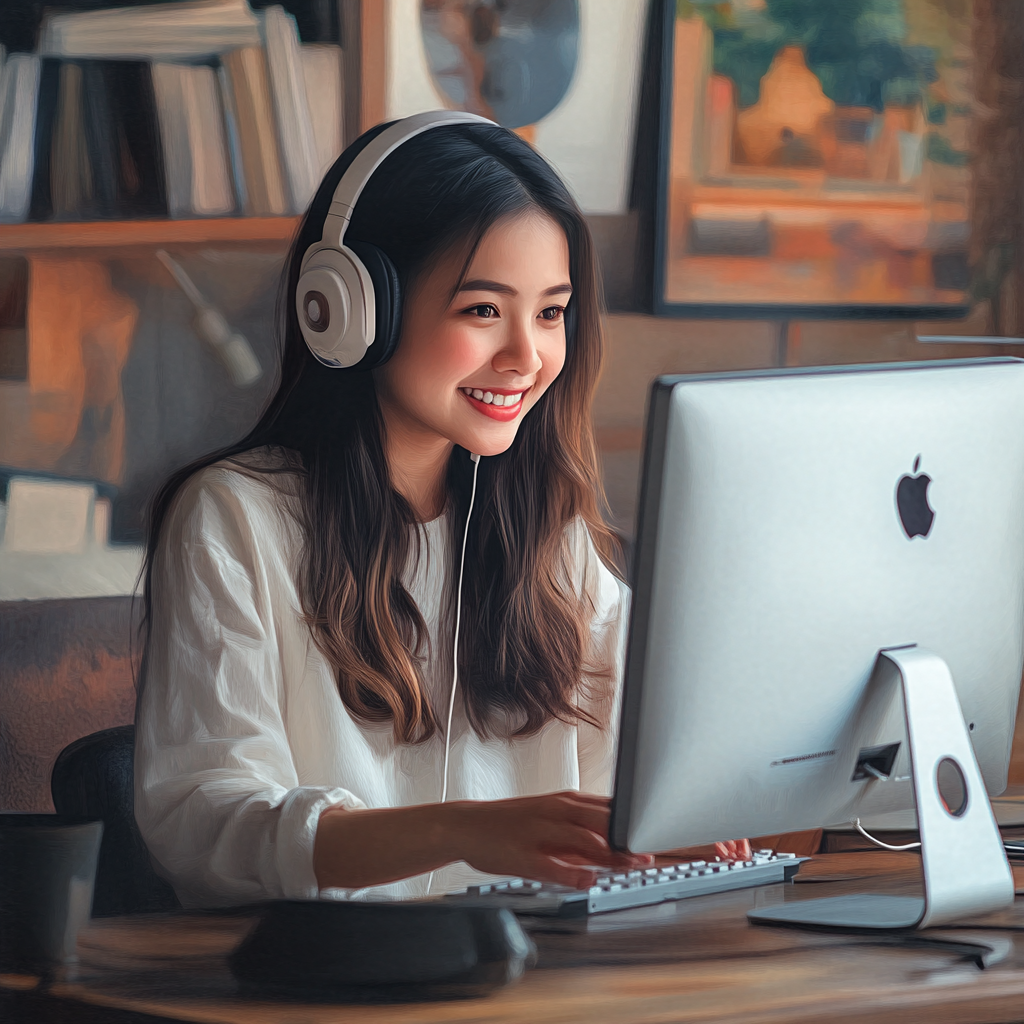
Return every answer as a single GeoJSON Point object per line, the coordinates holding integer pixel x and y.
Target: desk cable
{"type": "Point", "coordinates": [878, 842]}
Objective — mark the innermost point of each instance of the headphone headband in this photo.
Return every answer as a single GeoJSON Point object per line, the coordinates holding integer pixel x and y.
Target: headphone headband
{"type": "Point", "coordinates": [373, 154]}
{"type": "Point", "coordinates": [340, 290]}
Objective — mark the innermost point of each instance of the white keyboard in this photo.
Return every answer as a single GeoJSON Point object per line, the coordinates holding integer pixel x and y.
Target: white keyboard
{"type": "Point", "coordinates": [634, 888]}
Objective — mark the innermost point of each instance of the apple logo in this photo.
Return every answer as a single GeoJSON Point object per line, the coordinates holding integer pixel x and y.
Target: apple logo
{"type": "Point", "coordinates": [916, 515]}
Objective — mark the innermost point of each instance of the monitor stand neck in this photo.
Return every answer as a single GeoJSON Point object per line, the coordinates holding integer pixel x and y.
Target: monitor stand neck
{"type": "Point", "coordinates": [966, 873]}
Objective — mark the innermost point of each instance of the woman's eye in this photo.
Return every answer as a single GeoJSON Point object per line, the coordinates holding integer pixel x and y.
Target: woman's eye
{"type": "Point", "coordinates": [552, 312]}
{"type": "Point", "coordinates": [485, 311]}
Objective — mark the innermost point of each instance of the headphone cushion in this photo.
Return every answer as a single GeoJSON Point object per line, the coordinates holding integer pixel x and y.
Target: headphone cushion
{"type": "Point", "coordinates": [387, 303]}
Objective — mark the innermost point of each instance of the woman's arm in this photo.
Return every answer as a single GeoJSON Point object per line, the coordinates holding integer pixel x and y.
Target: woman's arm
{"type": "Point", "coordinates": [552, 838]}
{"type": "Point", "coordinates": [217, 796]}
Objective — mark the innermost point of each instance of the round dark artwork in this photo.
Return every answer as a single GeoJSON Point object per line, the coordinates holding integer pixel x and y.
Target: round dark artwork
{"type": "Point", "coordinates": [510, 60]}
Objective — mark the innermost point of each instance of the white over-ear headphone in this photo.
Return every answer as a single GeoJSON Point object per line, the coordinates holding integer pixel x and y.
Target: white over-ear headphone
{"type": "Point", "coordinates": [347, 298]}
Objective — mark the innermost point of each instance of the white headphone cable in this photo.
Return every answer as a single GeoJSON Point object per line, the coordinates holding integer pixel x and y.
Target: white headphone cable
{"type": "Point", "coordinates": [455, 645]}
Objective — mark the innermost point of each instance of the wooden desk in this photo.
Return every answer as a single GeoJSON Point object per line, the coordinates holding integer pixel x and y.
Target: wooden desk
{"type": "Point", "coordinates": [696, 960]}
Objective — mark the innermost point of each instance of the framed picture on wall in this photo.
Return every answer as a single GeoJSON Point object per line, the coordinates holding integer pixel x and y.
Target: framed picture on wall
{"type": "Point", "coordinates": [814, 158]}
{"type": "Point", "coordinates": [565, 74]}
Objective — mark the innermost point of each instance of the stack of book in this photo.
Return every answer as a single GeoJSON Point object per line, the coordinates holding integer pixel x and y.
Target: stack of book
{"type": "Point", "coordinates": [204, 109]}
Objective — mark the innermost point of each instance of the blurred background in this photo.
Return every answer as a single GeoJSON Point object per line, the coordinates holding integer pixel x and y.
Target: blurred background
{"type": "Point", "coordinates": [769, 182]}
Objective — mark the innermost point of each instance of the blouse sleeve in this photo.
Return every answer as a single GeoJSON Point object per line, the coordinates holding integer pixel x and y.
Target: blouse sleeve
{"type": "Point", "coordinates": [603, 667]}
{"type": "Point", "coordinates": [217, 797]}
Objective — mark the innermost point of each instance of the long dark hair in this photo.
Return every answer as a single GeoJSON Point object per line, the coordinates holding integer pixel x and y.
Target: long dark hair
{"type": "Point", "coordinates": [524, 621]}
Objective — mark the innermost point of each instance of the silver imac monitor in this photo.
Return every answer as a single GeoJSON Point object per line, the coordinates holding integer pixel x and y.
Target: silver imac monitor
{"type": "Point", "coordinates": [828, 614]}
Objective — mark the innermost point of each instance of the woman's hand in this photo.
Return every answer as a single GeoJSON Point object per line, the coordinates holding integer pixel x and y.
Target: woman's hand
{"type": "Point", "coordinates": [731, 849]}
{"type": "Point", "coordinates": [558, 837]}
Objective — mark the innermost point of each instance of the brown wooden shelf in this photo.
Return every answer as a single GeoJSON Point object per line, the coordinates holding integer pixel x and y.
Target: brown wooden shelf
{"type": "Point", "coordinates": [145, 233]}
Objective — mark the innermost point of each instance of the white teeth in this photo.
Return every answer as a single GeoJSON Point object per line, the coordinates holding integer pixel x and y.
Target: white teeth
{"type": "Point", "coordinates": [490, 398]}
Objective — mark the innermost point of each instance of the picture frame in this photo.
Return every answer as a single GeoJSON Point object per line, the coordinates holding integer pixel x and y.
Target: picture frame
{"type": "Point", "coordinates": [589, 134]}
{"type": "Point", "coordinates": [776, 200]}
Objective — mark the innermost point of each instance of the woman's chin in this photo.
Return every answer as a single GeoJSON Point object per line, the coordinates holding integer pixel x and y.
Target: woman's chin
{"type": "Point", "coordinates": [492, 442]}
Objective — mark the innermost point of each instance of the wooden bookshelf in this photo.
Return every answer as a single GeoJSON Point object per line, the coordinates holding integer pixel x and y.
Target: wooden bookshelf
{"type": "Point", "coordinates": [99, 235]}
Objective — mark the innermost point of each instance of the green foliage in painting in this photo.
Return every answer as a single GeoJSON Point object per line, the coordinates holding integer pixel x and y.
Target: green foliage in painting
{"type": "Point", "coordinates": [855, 47]}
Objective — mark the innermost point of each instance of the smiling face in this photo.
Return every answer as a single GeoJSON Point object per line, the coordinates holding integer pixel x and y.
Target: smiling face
{"type": "Point", "coordinates": [469, 368]}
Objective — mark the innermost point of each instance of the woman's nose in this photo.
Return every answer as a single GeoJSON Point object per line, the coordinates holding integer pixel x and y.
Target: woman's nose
{"type": "Point", "coordinates": [519, 353]}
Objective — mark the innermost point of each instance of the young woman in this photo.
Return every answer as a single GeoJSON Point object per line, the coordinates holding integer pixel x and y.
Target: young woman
{"type": "Point", "coordinates": [301, 586]}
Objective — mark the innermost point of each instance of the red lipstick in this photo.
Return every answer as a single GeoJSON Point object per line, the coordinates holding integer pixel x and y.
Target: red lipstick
{"type": "Point", "coordinates": [502, 413]}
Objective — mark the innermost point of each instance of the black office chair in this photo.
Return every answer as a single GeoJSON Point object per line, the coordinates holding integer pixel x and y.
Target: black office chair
{"type": "Point", "coordinates": [95, 777]}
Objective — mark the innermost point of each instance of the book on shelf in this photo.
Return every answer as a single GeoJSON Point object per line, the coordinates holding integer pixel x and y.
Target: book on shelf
{"type": "Point", "coordinates": [247, 100]}
{"type": "Point", "coordinates": [288, 88]}
{"type": "Point", "coordinates": [193, 109]}
{"type": "Point", "coordinates": [212, 192]}
{"type": "Point", "coordinates": [234, 144]}
{"type": "Point", "coordinates": [97, 150]}
{"type": "Point", "coordinates": [192, 132]}
{"type": "Point", "coordinates": [19, 86]}
{"type": "Point", "coordinates": [322, 76]}
{"type": "Point", "coordinates": [71, 182]}
{"type": "Point", "coordinates": [169, 31]}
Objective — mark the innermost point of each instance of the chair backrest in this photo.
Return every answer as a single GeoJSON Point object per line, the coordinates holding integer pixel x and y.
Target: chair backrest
{"type": "Point", "coordinates": [95, 776]}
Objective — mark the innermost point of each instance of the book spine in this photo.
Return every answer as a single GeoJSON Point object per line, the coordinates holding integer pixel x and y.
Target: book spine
{"type": "Point", "coordinates": [246, 77]}
{"type": "Point", "coordinates": [212, 195]}
{"type": "Point", "coordinates": [41, 207]}
{"type": "Point", "coordinates": [70, 177]}
{"type": "Point", "coordinates": [324, 85]}
{"type": "Point", "coordinates": [294, 127]}
{"type": "Point", "coordinates": [138, 157]}
{"type": "Point", "coordinates": [16, 163]}
{"type": "Point", "coordinates": [171, 115]}
{"type": "Point", "coordinates": [233, 141]}
{"type": "Point", "coordinates": [6, 110]}
{"type": "Point", "coordinates": [100, 134]}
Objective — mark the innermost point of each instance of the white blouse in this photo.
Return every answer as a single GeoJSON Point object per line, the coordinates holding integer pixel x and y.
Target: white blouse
{"type": "Point", "coordinates": [242, 738]}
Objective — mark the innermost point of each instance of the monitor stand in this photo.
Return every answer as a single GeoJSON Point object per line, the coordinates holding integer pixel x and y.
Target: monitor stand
{"type": "Point", "coordinates": [966, 873]}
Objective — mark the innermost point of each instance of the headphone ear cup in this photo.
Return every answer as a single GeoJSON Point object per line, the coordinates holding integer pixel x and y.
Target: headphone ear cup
{"type": "Point", "coordinates": [387, 303]}
{"type": "Point", "coordinates": [332, 299]}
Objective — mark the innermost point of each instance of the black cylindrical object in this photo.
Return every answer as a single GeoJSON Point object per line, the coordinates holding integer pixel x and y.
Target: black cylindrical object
{"type": "Point", "coordinates": [47, 872]}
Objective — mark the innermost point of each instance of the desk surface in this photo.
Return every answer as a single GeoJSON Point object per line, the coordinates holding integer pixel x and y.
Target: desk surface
{"type": "Point", "coordinates": [695, 960]}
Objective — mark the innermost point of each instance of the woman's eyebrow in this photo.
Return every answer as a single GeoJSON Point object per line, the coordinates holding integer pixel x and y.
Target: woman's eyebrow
{"type": "Point", "coordinates": [482, 285]}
